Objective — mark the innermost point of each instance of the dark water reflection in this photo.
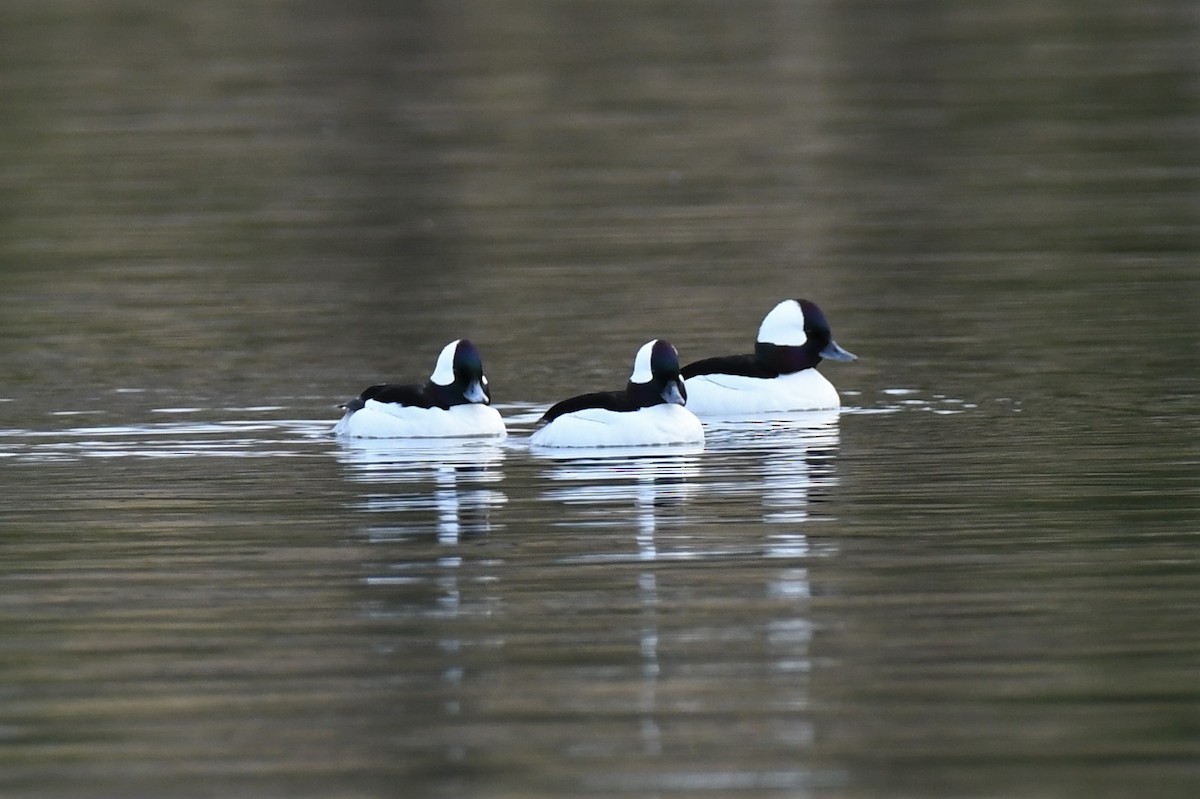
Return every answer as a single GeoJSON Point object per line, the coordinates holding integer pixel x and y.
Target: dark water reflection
{"type": "Point", "coordinates": [217, 222]}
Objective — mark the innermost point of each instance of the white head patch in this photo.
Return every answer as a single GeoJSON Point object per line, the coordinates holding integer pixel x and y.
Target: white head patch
{"type": "Point", "coordinates": [784, 325]}
{"type": "Point", "coordinates": [443, 373]}
{"type": "Point", "coordinates": [641, 364]}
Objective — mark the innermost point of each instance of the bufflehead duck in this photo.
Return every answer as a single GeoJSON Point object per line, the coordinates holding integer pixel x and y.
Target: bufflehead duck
{"type": "Point", "coordinates": [454, 403]}
{"type": "Point", "coordinates": [779, 376]}
{"type": "Point", "coordinates": [649, 411]}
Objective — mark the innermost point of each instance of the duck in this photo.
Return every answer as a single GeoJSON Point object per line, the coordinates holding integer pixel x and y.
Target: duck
{"type": "Point", "coordinates": [650, 411]}
{"type": "Point", "coordinates": [781, 373]}
{"type": "Point", "coordinates": [455, 402]}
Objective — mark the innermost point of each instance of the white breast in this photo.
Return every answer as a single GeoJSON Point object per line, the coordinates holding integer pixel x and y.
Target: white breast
{"type": "Point", "coordinates": [388, 420]}
{"type": "Point", "coordinates": [729, 395]}
{"type": "Point", "coordinates": [595, 427]}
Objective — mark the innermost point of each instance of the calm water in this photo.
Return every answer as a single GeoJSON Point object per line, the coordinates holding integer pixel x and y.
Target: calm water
{"type": "Point", "coordinates": [981, 579]}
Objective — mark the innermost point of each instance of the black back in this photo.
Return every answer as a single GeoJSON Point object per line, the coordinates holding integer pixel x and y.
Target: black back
{"type": "Point", "coordinates": [606, 400]}
{"type": "Point", "coordinates": [410, 395]}
{"type": "Point", "coordinates": [747, 365]}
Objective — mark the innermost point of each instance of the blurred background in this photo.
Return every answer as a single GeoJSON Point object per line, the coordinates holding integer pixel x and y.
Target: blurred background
{"type": "Point", "coordinates": [217, 207]}
{"type": "Point", "coordinates": [287, 197]}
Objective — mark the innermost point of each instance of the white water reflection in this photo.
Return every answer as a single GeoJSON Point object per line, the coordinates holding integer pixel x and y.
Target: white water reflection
{"type": "Point", "coordinates": [788, 462]}
{"type": "Point", "coordinates": [654, 486]}
{"type": "Point", "coordinates": [451, 488]}
{"type": "Point", "coordinates": [749, 498]}
{"type": "Point", "coordinates": [456, 482]}
{"type": "Point", "coordinates": [230, 438]}
{"type": "Point", "coordinates": [607, 486]}
{"type": "Point", "coordinates": [895, 400]}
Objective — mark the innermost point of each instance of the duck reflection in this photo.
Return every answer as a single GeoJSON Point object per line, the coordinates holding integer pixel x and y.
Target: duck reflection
{"type": "Point", "coordinates": [797, 476]}
{"type": "Point", "coordinates": [431, 497]}
{"type": "Point", "coordinates": [457, 484]}
{"type": "Point", "coordinates": [610, 486]}
{"type": "Point", "coordinates": [653, 487]}
{"type": "Point", "coordinates": [785, 471]}
{"type": "Point", "coordinates": [788, 462]}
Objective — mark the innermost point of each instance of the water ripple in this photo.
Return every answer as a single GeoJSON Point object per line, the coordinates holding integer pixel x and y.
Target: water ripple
{"type": "Point", "coordinates": [229, 439]}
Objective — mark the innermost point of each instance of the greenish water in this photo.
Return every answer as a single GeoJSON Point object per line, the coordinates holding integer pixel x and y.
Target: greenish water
{"type": "Point", "coordinates": [218, 222]}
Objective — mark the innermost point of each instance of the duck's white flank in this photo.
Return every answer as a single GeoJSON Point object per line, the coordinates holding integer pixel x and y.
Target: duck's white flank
{"type": "Point", "coordinates": [732, 395]}
{"type": "Point", "coordinates": [596, 427]}
{"type": "Point", "coordinates": [388, 420]}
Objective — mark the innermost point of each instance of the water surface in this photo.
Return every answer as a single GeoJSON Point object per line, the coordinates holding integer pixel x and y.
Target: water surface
{"type": "Point", "coordinates": [980, 579]}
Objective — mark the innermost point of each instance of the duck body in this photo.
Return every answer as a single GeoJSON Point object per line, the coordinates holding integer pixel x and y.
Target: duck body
{"type": "Point", "coordinates": [377, 419]}
{"type": "Point", "coordinates": [453, 403]}
{"type": "Point", "coordinates": [780, 375]}
{"type": "Point", "coordinates": [601, 427]}
{"type": "Point", "coordinates": [726, 394]}
{"type": "Point", "coordinates": [649, 412]}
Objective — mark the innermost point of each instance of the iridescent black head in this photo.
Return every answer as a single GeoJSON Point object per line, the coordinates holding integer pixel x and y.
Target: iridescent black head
{"type": "Point", "coordinates": [817, 329]}
{"type": "Point", "coordinates": [656, 374]}
{"type": "Point", "coordinates": [796, 335]}
{"type": "Point", "coordinates": [461, 367]}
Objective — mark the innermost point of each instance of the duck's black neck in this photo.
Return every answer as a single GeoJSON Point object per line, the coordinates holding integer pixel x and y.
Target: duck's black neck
{"type": "Point", "coordinates": [785, 359]}
{"type": "Point", "coordinates": [644, 395]}
{"type": "Point", "coordinates": [446, 397]}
